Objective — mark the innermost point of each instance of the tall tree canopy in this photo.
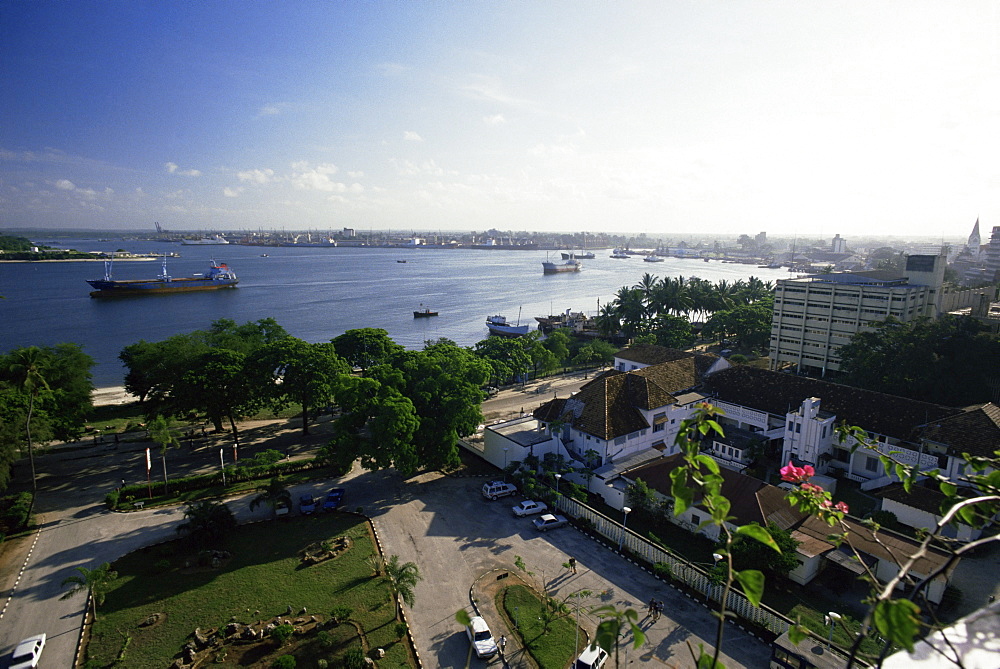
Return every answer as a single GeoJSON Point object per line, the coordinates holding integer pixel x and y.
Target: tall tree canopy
{"type": "Point", "coordinates": [45, 393]}
{"type": "Point", "coordinates": [366, 347]}
{"type": "Point", "coordinates": [951, 360]}
{"type": "Point", "coordinates": [291, 371]}
{"type": "Point", "coordinates": [411, 410]}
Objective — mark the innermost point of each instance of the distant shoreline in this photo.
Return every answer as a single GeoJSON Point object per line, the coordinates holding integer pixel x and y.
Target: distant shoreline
{"type": "Point", "coordinates": [113, 395]}
{"type": "Point", "coordinates": [85, 260]}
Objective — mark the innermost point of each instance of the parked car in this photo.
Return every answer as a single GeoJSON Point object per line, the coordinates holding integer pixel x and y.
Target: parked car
{"type": "Point", "coordinates": [28, 652]}
{"type": "Point", "coordinates": [307, 504]}
{"type": "Point", "coordinates": [529, 507]}
{"type": "Point", "coordinates": [481, 638]}
{"type": "Point", "coordinates": [549, 522]}
{"type": "Point", "coordinates": [496, 489]}
{"type": "Point", "coordinates": [281, 509]}
{"type": "Point", "coordinates": [333, 500]}
{"type": "Point", "coordinates": [593, 657]}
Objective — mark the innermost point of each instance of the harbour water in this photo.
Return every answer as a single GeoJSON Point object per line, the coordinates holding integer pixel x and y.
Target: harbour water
{"type": "Point", "coordinates": [314, 293]}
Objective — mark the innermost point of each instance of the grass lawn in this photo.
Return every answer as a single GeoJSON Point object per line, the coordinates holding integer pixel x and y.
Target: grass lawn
{"type": "Point", "coordinates": [552, 648]}
{"type": "Point", "coordinates": [265, 574]}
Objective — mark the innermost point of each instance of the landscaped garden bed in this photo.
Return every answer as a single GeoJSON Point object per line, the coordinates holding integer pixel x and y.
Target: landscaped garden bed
{"type": "Point", "coordinates": [313, 575]}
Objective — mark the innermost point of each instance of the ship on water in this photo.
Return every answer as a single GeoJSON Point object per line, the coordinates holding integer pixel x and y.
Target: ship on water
{"type": "Point", "coordinates": [571, 265]}
{"type": "Point", "coordinates": [218, 276]}
{"type": "Point", "coordinates": [498, 325]}
{"type": "Point", "coordinates": [215, 240]}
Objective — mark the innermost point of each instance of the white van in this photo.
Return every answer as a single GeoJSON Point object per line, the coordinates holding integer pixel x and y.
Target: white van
{"type": "Point", "coordinates": [593, 657]}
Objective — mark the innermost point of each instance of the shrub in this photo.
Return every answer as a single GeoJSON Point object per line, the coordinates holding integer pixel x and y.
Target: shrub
{"type": "Point", "coordinates": [111, 499]}
{"type": "Point", "coordinates": [321, 663]}
{"type": "Point", "coordinates": [162, 565]}
{"type": "Point", "coordinates": [662, 569]}
{"type": "Point", "coordinates": [354, 659]}
{"type": "Point", "coordinates": [284, 662]}
{"type": "Point", "coordinates": [341, 613]}
{"type": "Point", "coordinates": [324, 639]}
{"type": "Point", "coordinates": [282, 633]}
{"type": "Point", "coordinates": [400, 630]}
{"type": "Point", "coordinates": [14, 512]}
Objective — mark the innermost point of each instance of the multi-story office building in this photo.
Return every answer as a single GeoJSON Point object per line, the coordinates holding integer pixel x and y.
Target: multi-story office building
{"type": "Point", "coordinates": [815, 315]}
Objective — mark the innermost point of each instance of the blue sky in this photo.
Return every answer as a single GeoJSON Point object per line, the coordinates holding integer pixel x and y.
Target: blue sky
{"type": "Point", "coordinates": [660, 117]}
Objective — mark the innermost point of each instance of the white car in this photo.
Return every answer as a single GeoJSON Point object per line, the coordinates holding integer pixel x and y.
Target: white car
{"type": "Point", "coordinates": [593, 657]}
{"type": "Point", "coordinates": [549, 522]}
{"type": "Point", "coordinates": [28, 652]}
{"type": "Point", "coordinates": [496, 489]}
{"type": "Point", "coordinates": [529, 507]}
{"type": "Point", "coordinates": [481, 638]}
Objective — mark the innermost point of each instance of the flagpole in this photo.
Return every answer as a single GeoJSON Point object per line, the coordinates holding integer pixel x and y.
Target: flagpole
{"type": "Point", "coordinates": [149, 484]}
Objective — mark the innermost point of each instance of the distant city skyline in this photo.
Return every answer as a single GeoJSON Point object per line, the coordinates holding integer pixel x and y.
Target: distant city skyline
{"type": "Point", "coordinates": [809, 119]}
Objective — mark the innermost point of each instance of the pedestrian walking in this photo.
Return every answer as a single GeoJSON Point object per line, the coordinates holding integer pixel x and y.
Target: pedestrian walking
{"type": "Point", "coordinates": [572, 564]}
{"type": "Point", "coordinates": [650, 607]}
{"type": "Point", "coordinates": [502, 642]}
{"type": "Point", "coordinates": [656, 610]}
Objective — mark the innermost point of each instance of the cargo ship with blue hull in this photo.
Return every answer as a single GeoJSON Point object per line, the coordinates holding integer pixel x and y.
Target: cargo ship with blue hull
{"type": "Point", "coordinates": [217, 277]}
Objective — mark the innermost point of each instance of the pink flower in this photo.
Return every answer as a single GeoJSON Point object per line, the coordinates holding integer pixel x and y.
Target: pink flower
{"type": "Point", "coordinates": [842, 507]}
{"type": "Point", "coordinates": [794, 474]}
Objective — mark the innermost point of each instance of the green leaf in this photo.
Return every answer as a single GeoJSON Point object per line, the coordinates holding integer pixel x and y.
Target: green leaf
{"type": "Point", "coordinates": [462, 617]}
{"type": "Point", "coordinates": [797, 633]}
{"type": "Point", "coordinates": [716, 427]}
{"type": "Point", "coordinates": [720, 509]}
{"type": "Point", "coordinates": [607, 635]}
{"type": "Point", "coordinates": [705, 659]}
{"type": "Point", "coordinates": [708, 463]}
{"type": "Point", "coordinates": [638, 635]}
{"type": "Point", "coordinates": [752, 582]}
{"type": "Point", "coordinates": [898, 621]}
{"type": "Point", "coordinates": [949, 489]}
{"type": "Point", "coordinates": [682, 493]}
{"type": "Point", "coordinates": [759, 533]}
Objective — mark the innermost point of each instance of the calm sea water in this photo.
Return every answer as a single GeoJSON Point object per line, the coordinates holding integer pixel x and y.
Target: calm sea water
{"type": "Point", "coordinates": [315, 294]}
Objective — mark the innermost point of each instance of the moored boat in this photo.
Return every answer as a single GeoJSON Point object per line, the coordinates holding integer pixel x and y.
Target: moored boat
{"type": "Point", "coordinates": [579, 255]}
{"type": "Point", "coordinates": [619, 254]}
{"type": "Point", "coordinates": [218, 276]}
{"type": "Point", "coordinates": [653, 258]}
{"type": "Point", "coordinates": [498, 325]}
{"type": "Point", "coordinates": [424, 312]}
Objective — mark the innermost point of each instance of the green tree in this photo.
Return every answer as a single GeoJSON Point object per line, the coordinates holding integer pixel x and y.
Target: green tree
{"type": "Point", "coordinates": [403, 578]}
{"type": "Point", "coordinates": [950, 360]}
{"type": "Point", "coordinates": [640, 496]}
{"type": "Point", "coordinates": [206, 522]}
{"type": "Point", "coordinates": [748, 324]}
{"type": "Point", "coordinates": [273, 494]}
{"type": "Point", "coordinates": [751, 554]}
{"type": "Point", "coordinates": [218, 384]}
{"type": "Point", "coordinates": [293, 371]}
{"type": "Point", "coordinates": [508, 358]}
{"type": "Point", "coordinates": [25, 368]}
{"type": "Point", "coordinates": [672, 331]}
{"type": "Point", "coordinates": [366, 347]}
{"type": "Point", "coordinates": [597, 351]}
{"type": "Point", "coordinates": [96, 582]}
{"type": "Point", "coordinates": [161, 433]}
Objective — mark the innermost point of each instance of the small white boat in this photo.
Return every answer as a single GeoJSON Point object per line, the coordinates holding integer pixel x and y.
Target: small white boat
{"type": "Point", "coordinates": [498, 325]}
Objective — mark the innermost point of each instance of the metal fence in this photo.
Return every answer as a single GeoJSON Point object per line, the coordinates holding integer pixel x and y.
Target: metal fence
{"type": "Point", "coordinates": [680, 570]}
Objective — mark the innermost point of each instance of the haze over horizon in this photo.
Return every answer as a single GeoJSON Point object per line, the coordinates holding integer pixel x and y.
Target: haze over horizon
{"type": "Point", "coordinates": [727, 118]}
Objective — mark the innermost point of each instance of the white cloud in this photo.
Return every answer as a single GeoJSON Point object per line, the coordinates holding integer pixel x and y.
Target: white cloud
{"type": "Point", "coordinates": [174, 168]}
{"type": "Point", "coordinates": [411, 136]}
{"type": "Point", "coordinates": [269, 110]}
{"type": "Point", "coordinates": [256, 176]}
{"type": "Point", "coordinates": [65, 184]}
{"type": "Point", "coordinates": [232, 192]}
{"type": "Point", "coordinates": [496, 119]}
{"type": "Point", "coordinates": [355, 175]}
{"type": "Point", "coordinates": [306, 177]}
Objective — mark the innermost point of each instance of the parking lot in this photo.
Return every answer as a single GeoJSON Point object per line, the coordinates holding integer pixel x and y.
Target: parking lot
{"type": "Point", "coordinates": [456, 536]}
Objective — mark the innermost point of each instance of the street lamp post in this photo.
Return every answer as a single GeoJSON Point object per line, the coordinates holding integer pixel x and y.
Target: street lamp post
{"type": "Point", "coordinates": [831, 619]}
{"type": "Point", "coordinates": [558, 476]}
{"type": "Point", "coordinates": [626, 511]}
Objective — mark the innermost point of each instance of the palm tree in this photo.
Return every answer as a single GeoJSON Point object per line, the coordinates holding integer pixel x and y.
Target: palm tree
{"type": "Point", "coordinates": [272, 494]}
{"type": "Point", "coordinates": [207, 522]}
{"type": "Point", "coordinates": [403, 578]}
{"type": "Point", "coordinates": [26, 369]}
{"type": "Point", "coordinates": [96, 582]}
{"type": "Point", "coordinates": [159, 431]}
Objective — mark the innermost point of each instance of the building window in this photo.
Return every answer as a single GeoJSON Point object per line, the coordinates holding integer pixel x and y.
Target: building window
{"type": "Point", "coordinates": [619, 441]}
{"type": "Point", "coordinates": [696, 519]}
{"type": "Point", "coordinates": [658, 427]}
{"type": "Point", "coordinates": [871, 464]}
